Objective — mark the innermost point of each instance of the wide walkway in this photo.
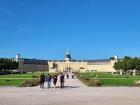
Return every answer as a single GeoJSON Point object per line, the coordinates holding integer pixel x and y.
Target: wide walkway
{"type": "Point", "coordinates": [75, 93]}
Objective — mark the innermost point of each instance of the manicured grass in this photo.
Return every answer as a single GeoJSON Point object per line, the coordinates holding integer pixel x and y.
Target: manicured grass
{"type": "Point", "coordinates": [106, 75]}
{"type": "Point", "coordinates": [28, 75]}
{"type": "Point", "coordinates": [18, 79]}
{"type": "Point", "coordinates": [107, 79]}
{"type": "Point", "coordinates": [14, 82]}
{"type": "Point", "coordinates": [118, 82]}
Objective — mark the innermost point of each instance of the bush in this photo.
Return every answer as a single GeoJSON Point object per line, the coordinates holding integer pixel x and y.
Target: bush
{"type": "Point", "coordinates": [93, 82]}
{"type": "Point", "coordinates": [30, 83]}
{"type": "Point", "coordinates": [136, 83]}
{"type": "Point", "coordinates": [87, 80]}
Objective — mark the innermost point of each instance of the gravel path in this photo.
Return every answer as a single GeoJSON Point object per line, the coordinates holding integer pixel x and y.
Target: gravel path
{"type": "Point", "coordinates": [75, 93]}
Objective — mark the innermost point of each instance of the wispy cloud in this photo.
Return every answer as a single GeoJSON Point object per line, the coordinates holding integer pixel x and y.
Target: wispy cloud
{"type": "Point", "coordinates": [5, 9]}
{"type": "Point", "coordinates": [9, 50]}
{"type": "Point", "coordinates": [5, 50]}
{"type": "Point", "coordinates": [24, 28]}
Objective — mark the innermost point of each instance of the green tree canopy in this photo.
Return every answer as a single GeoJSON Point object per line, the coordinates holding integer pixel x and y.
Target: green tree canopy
{"type": "Point", "coordinates": [8, 64]}
{"type": "Point", "coordinates": [128, 63]}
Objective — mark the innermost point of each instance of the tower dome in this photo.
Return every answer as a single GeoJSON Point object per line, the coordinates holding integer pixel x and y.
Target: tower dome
{"type": "Point", "coordinates": [68, 57]}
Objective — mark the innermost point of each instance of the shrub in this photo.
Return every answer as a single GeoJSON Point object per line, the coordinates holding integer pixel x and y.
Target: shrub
{"type": "Point", "coordinates": [93, 82]}
{"type": "Point", "coordinates": [30, 83]}
{"type": "Point", "coordinates": [136, 83]}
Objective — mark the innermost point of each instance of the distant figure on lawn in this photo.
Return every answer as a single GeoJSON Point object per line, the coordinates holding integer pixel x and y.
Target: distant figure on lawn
{"type": "Point", "coordinates": [55, 80]}
{"type": "Point", "coordinates": [48, 79]}
{"type": "Point", "coordinates": [62, 80]}
{"type": "Point", "coordinates": [42, 80]}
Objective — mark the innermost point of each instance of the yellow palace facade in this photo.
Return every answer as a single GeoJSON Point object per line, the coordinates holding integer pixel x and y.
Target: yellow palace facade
{"type": "Point", "coordinates": [66, 65]}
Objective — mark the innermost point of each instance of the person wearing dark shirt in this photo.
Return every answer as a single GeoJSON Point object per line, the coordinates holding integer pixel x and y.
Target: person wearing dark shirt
{"type": "Point", "coordinates": [67, 76]}
{"type": "Point", "coordinates": [72, 76]}
{"type": "Point", "coordinates": [49, 80]}
{"type": "Point", "coordinates": [55, 80]}
{"type": "Point", "coordinates": [42, 80]}
{"type": "Point", "coordinates": [62, 80]}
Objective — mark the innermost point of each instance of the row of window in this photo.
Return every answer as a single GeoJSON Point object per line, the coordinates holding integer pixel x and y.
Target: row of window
{"type": "Point", "coordinates": [36, 63]}
{"type": "Point", "coordinates": [93, 70]}
{"type": "Point", "coordinates": [98, 63]}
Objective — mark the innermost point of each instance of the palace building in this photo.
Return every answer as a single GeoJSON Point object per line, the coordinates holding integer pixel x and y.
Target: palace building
{"type": "Point", "coordinates": [68, 65]}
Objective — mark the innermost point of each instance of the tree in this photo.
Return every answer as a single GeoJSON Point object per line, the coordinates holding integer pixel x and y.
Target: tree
{"type": "Point", "coordinates": [138, 64]}
{"type": "Point", "coordinates": [8, 64]}
{"type": "Point", "coordinates": [128, 63]}
{"type": "Point", "coordinates": [118, 65]}
{"type": "Point", "coordinates": [112, 58]}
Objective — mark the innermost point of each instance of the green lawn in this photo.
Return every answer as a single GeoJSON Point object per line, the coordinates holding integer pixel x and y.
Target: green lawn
{"type": "Point", "coordinates": [17, 79]}
{"type": "Point", "coordinates": [28, 75]}
{"type": "Point", "coordinates": [106, 75]}
{"type": "Point", "coordinates": [107, 79]}
{"type": "Point", "coordinates": [10, 82]}
{"type": "Point", "coordinates": [118, 82]}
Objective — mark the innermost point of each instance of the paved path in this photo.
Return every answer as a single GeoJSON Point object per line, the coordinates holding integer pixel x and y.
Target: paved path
{"type": "Point", "coordinates": [75, 93]}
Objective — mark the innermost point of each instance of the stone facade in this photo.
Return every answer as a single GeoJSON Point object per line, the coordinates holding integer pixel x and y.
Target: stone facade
{"type": "Point", "coordinates": [31, 65]}
{"type": "Point", "coordinates": [68, 65]}
{"type": "Point", "coordinates": [81, 66]}
{"type": "Point", "coordinates": [103, 65]}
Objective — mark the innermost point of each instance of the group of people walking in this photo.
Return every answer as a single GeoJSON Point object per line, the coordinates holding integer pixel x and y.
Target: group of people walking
{"type": "Point", "coordinates": [50, 78]}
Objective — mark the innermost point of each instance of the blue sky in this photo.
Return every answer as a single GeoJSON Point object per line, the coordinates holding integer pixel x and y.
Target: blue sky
{"type": "Point", "coordinates": [91, 29]}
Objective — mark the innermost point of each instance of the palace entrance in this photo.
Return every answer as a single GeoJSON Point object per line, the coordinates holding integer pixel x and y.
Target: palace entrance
{"type": "Point", "coordinates": [68, 69]}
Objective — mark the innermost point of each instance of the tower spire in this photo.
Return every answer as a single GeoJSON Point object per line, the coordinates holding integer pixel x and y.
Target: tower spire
{"type": "Point", "coordinates": [68, 56]}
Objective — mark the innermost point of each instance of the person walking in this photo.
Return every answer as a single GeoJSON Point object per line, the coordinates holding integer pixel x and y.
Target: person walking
{"type": "Point", "coordinates": [62, 80]}
{"type": "Point", "coordinates": [55, 80]}
{"type": "Point", "coordinates": [42, 80]}
{"type": "Point", "coordinates": [72, 76]}
{"type": "Point", "coordinates": [49, 80]}
{"type": "Point", "coordinates": [67, 76]}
